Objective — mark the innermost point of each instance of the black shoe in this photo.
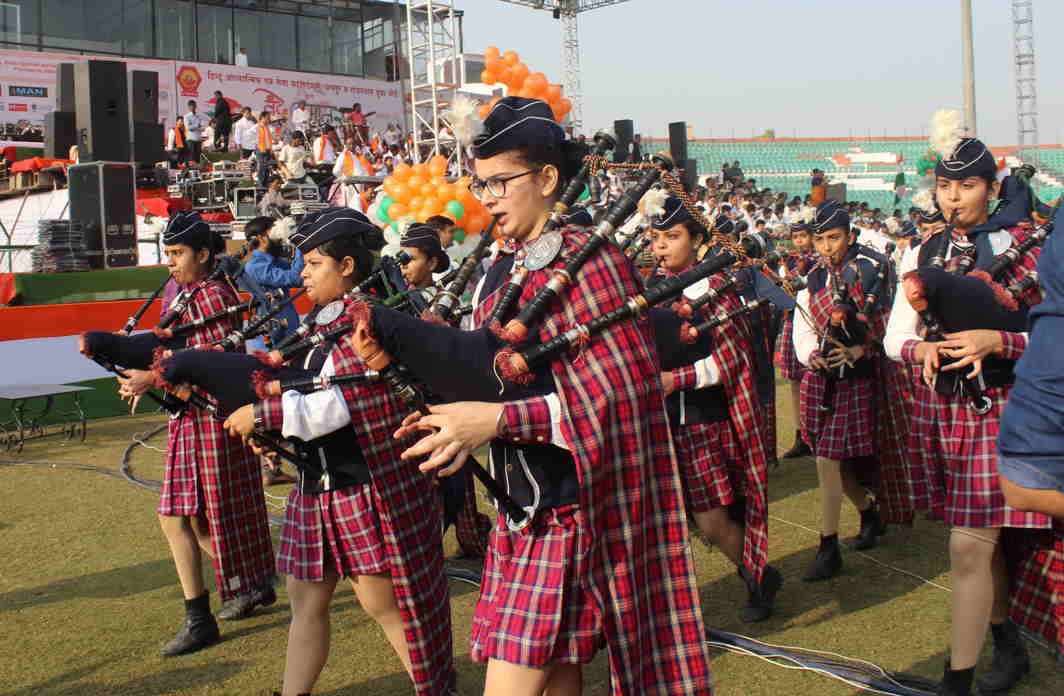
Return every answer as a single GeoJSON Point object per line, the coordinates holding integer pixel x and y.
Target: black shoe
{"type": "Point", "coordinates": [828, 561]}
{"type": "Point", "coordinates": [1011, 662]}
{"type": "Point", "coordinates": [761, 598]}
{"type": "Point", "coordinates": [197, 633]}
{"type": "Point", "coordinates": [872, 527]}
{"type": "Point", "coordinates": [243, 606]}
{"type": "Point", "coordinates": [956, 682]}
{"type": "Point", "coordinates": [799, 449]}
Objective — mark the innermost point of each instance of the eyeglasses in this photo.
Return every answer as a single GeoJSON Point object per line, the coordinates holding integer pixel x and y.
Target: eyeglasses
{"type": "Point", "coordinates": [496, 185]}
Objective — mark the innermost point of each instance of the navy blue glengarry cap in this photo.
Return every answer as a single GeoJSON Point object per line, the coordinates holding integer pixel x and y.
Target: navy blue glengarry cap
{"type": "Point", "coordinates": [427, 239]}
{"type": "Point", "coordinates": [928, 216]}
{"type": "Point", "coordinates": [675, 214]}
{"type": "Point", "coordinates": [517, 122]}
{"type": "Point", "coordinates": [970, 158]}
{"type": "Point", "coordinates": [318, 228]}
{"type": "Point", "coordinates": [829, 215]}
{"type": "Point", "coordinates": [187, 227]}
{"type": "Point", "coordinates": [724, 225]}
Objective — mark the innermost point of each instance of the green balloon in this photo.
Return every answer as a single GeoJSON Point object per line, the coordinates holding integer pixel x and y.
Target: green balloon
{"type": "Point", "coordinates": [459, 235]}
{"type": "Point", "coordinates": [456, 208]}
{"type": "Point", "coordinates": [383, 214]}
{"type": "Point", "coordinates": [586, 194]}
{"type": "Point", "coordinates": [385, 205]}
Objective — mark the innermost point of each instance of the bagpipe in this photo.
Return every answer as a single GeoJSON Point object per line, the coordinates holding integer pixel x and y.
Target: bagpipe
{"type": "Point", "coordinates": [949, 302]}
{"type": "Point", "coordinates": [446, 302]}
{"type": "Point", "coordinates": [131, 323]}
{"type": "Point", "coordinates": [512, 291]}
{"type": "Point", "coordinates": [518, 329]}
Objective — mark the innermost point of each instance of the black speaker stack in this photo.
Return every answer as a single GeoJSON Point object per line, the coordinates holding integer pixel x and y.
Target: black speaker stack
{"type": "Point", "coordinates": [623, 130]}
{"type": "Point", "coordinates": [678, 150]}
{"type": "Point", "coordinates": [103, 203]}
{"type": "Point", "coordinates": [102, 94]}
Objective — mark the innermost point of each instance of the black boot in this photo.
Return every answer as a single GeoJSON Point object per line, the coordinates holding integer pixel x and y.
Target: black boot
{"type": "Point", "coordinates": [956, 682]}
{"type": "Point", "coordinates": [1011, 662]}
{"type": "Point", "coordinates": [199, 631]}
{"type": "Point", "coordinates": [760, 597]}
{"type": "Point", "coordinates": [242, 606]}
{"type": "Point", "coordinates": [828, 561]}
{"type": "Point", "coordinates": [872, 527]}
{"type": "Point", "coordinates": [799, 449]}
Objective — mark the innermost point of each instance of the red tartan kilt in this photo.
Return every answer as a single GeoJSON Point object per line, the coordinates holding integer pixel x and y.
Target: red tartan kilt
{"type": "Point", "coordinates": [785, 357]}
{"type": "Point", "coordinates": [848, 428]}
{"type": "Point", "coordinates": [958, 474]}
{"type": "Point", "coordinates": [535, 605]}
{"type": "Point", "coordinates": [710, 468]}
{"type": "Point", "coordinates": [336, 530]}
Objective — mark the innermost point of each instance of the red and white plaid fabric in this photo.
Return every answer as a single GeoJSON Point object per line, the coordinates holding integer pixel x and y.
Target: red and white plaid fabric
{"type": "Point", "coordinates": [785, 357]}
{"type": "Point", "coordinates": [408, 513]}
{"type": "Point", "coordinates": [336, 531]}
{"type": "Point", "coordinates": [614, 422]}
{"type": "Point", "coordinates": [1038, 586]}
{"type": "Point", "coordinates": [846, 428]}
{"type": "Point", "coordinates": [711, 477]}
{"type": "Point", "coordinates": [209, 473]}
{"type": "Point", "coordinates": [535, 607]}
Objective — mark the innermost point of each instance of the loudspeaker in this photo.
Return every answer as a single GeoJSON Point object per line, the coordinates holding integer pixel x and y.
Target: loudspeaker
{"type": "Point", "coordinates": [678, 141]}
{"type": "Point", "coordinates": [148, 145]}
{"type": "Point", "coordinates": [144, 102]}
{"type": "Point", "coordinates": [103, 111]}
{"type": "Point", "coordinates": [102, 199]}
{"type": "Point", "coordinates": [623, 131]}
{"type": "Point", "coordinates": [246, 202]}
{"type": "Point", "coordinates": [65, 99]}
{"type": "Point", "coordinates": [60, 134]}
{"type": "Point", "coordinates": [835, 192]}
{"type": "Point", "coordinates": [690, 174]}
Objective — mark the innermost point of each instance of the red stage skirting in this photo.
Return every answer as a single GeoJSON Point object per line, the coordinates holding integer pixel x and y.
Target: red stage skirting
{"type": "Point", "coordinates": [35, 164]}
{"type": "Point", "coordinates": [162, 207]}
{"type": "Point", "coordinates": [219, 218]}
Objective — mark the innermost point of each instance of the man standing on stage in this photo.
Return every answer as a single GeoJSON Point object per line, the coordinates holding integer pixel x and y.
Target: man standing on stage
{"type": "Point", "coordinates": [223, 122]}
{"type": "Point", "coordinates": [194, 124]}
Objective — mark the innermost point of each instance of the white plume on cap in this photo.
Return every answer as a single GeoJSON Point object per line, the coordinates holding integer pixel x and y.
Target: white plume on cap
{"type": "Point", "coordinates": [654, 202]}
{"type": "Point", "coordinates": [947, 130]}
{"type": "Point", "coordinates": [924, 199]}
{"type": "Point", "coordinates": [392, 236]}
{"type": "Point", "coordinates": [463, 119]}
{"type": "Point", "coordinates": [282, 229]}
{"type": "Point", "coordinates": [807, 214]}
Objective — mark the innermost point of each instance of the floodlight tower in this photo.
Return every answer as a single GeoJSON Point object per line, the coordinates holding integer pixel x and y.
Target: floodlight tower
{"type": "Point", "coordinates": [567, 11]}
{"type": "Point", "coordinates": [433, 53]}
{"type": "Point", "coordinates": [1023, 60]}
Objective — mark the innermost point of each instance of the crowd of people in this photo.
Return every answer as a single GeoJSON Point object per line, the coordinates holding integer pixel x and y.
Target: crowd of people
{"type": "Point", "coordinates": [916, 384]}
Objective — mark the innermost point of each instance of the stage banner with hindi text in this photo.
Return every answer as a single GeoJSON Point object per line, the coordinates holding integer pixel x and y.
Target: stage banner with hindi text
{"type": "Point", "coordinates": [328, 97]}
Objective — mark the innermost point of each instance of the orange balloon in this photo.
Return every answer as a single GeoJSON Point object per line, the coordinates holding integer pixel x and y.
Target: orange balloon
{"type": "Point", "coordinates": [467, 199]}
{"type": "Point", "coordinates": [416, 182]}
{"type": "Point", "coordinates": [526, 93]}
{"type": "Point", "coordinates": [565, 105]}
{"type": "Point", "coordinates": [447, 192]}
{"type": "Point", "coordinates": [496, 65]}
{"type": "Point", "coordinates": [402, 171]}
{"type": "Point", "coordinates": [438, 165]}
{"type": "Point", "coordinates": [511, 58]}
{"type": "Point", "coordinates": [398, 210]}
{"type": "Point", "coordinates": [428, 190]}
{"type": "Point", "coordinates": [389, 186]}
{"type": "Point", "coordinates": [538, 81]}
{"type": "Point", "coordinates": [472, 224]}
{"type": "Point", "coordinates": [483, 110]}
{"type": "Point", "coordinates": [491, 52]}
{"type": "Point", "coordinates": [556, 109]}
{"type": "Point", "coordinates": [554, 93]}
{"type": "Point", "coordinates": [415, 203]}
{"type": "Point", "coordinates": [402, 192]}
{"type": "Point", "coordinates": [435, 205]}
{"type": "Point", "coordinates": [506, 76]}
{"type": "Point", "coordinates": [422, 216]}
{"type": "Point", "coordinates": [488, 77]}
{"type": "Point", "coordinates": [520, 72]}
{"type": "Point", "coordinates": [422, 170]}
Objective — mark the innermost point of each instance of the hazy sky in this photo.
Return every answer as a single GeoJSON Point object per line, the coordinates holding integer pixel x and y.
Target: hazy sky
{"type": "Point", "coordinates": [817, 68]}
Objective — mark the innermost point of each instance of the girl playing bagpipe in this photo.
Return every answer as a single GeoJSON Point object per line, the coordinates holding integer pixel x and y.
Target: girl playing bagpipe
{"type": "Point", "coordinates": [358, 511]}
{"type": "Point", "coordinates": [714, 416]}
{"type": "Point", "coordinates": [212, 501]}
{"type": "Point", "coordinates": [798, 264]}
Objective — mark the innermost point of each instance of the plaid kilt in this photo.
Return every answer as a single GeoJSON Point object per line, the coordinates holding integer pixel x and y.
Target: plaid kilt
{"type": "Point", "coordinates": [1037, 593]}
{"type": "Point", "coordinates": [785, 357]}
{"type": "Point", "coordinates": [211, 474]}
{"type": "Point", "coordinates": [709, 468]}
{"type": "Point", "coordinates": [847, 428]}
{"type": "Point", "coordinates": [535, 605]}
{"type": "Point", "coordinates": [472, 527]}
{"type": "Point", "coordinates": [958, 473]}
{"type": "Point", "coordinates": [334, 530]}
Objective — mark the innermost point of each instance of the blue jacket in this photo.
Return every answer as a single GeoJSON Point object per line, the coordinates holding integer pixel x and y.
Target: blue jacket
{"type": "Point", "coordinates": [270, 273]}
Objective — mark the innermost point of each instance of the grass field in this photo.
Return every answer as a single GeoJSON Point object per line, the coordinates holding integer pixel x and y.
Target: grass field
{"type": "Point", "coordinates": [88, 594]}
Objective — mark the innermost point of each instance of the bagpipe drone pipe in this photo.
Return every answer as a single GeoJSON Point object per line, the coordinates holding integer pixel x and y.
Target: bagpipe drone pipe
{"type": "Point", "coordinates": [950, 302]}
{"type": "Point", "coordinates": [445, 304]}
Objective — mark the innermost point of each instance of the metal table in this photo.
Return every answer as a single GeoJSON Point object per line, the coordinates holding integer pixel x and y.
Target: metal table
{"type": "Point", "coordinates": [26, 421]}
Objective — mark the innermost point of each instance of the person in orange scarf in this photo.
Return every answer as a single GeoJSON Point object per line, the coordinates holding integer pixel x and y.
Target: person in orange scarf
{"type": "Point", "coordinates": [177, 143]}
{"type": "Point", "coordinates": [348, 163]}
{"type": "Point", "coordinates": [263, 149]}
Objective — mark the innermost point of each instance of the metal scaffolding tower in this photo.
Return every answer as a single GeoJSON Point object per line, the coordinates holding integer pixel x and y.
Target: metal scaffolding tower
{"type": "Point", "coordinates": [434, 57]}
{"type": "Point", "coordinates": [1023, 60]}
{"type": "Point", "coordinates": [567, 11]}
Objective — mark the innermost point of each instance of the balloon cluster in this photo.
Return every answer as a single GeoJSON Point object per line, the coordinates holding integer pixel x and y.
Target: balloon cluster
{"type": "Point", "coordinates": [508, 70]}
{"type": "Point", "coordinates": [421, 191]}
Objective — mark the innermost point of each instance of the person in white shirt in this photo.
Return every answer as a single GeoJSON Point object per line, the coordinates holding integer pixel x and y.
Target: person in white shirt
{"type": "Point", "coordinates": [292, 160]}
{"type": "Point", "coordinates": [300, 118]}
{"type": "Point", "coordinates": [391, 136]}
{"type": "Point", "coordinates": [242, 58]}
{"type": "Point", "coordinates": [245, 133]}
{"type": "Point", "coordinates": [194, 124]}
{"type": "Point", "coordinates": [347, 164]}
{"type": "Point", "coordinates": [325, 146]}
{"type": "Point", "coordinates": [208, 136]}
